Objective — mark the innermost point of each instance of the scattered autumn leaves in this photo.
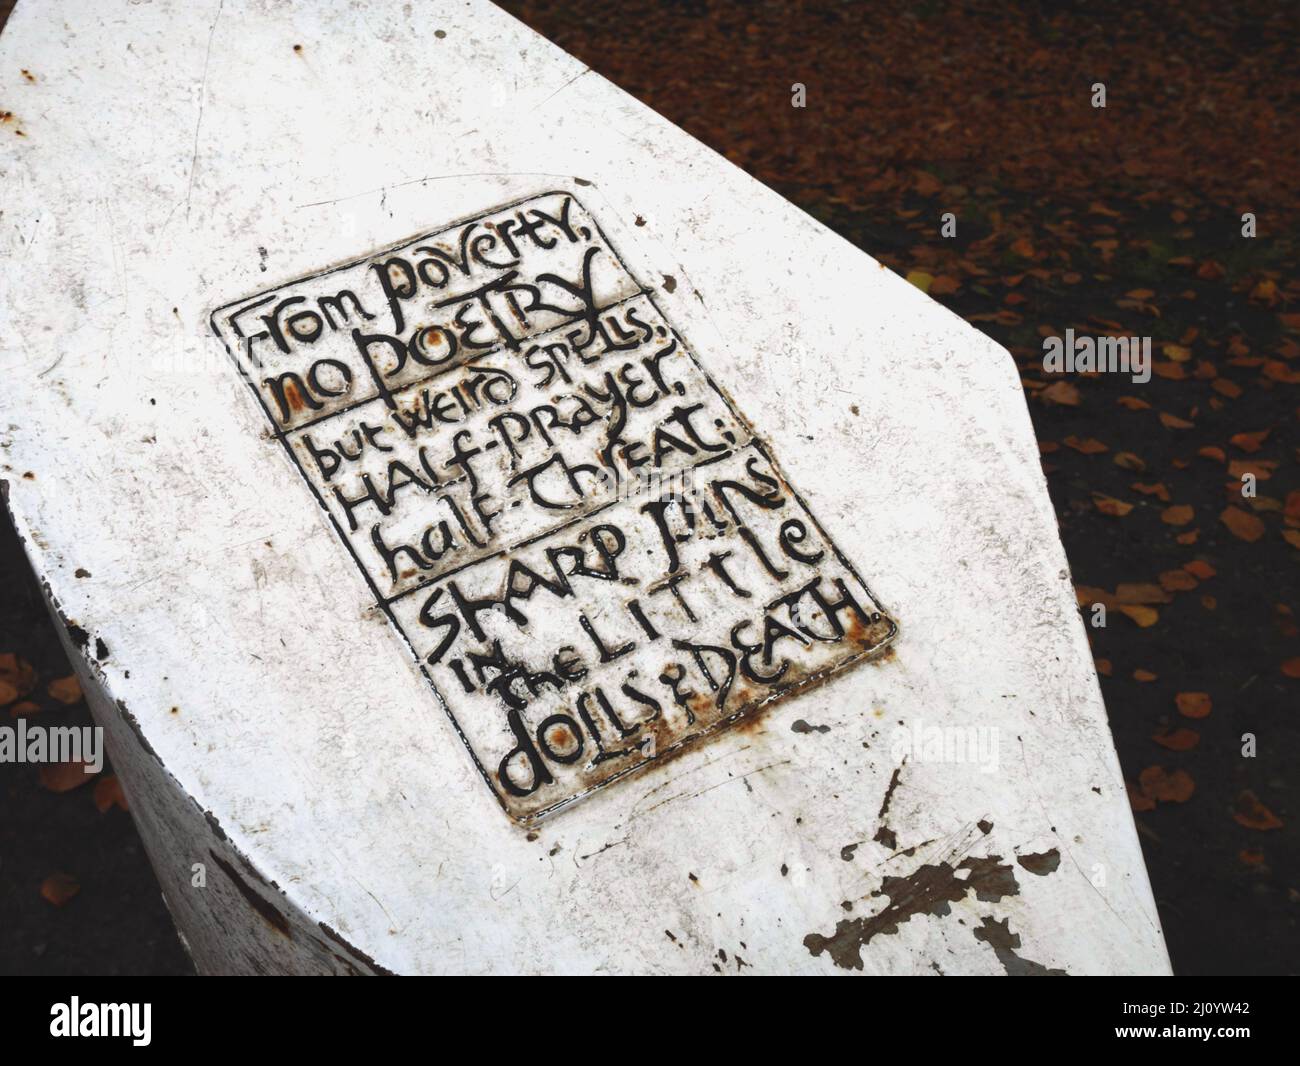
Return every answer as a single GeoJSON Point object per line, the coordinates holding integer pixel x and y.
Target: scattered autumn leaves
{"type": "Point", "coordinates": [1243, 518]}
{"type": "Point", "coordinates": [1230, 470]}
{"type": "Point", "coordinates": [18, 686]}
{"type": "Point", "coordinates": [1158, 784]}
{"type": "Point", "coordinates": [1139, 601]}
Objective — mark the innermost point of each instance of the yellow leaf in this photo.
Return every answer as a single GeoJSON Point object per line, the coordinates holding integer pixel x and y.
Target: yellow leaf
{"type": "Point", "coordinates": [1145, 617]}
{"type": "Point", "coordinates": [921, 279]}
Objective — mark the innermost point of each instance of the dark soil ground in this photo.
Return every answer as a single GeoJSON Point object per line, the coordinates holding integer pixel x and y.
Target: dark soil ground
{"type": "Point", "coordinates": [1125, 220]}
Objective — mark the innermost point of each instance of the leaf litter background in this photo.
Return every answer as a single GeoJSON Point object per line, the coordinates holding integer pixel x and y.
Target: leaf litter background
{"type": "Point", "coordinates": [1124, 221]}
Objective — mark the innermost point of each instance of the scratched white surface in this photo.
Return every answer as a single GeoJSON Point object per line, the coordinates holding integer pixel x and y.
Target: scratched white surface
{"type": "Point", "coordinates": [176, 154]}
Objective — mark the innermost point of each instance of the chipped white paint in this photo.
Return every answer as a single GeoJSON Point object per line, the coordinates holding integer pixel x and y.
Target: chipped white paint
{"type": "Point", "coordinates": [267, 722]}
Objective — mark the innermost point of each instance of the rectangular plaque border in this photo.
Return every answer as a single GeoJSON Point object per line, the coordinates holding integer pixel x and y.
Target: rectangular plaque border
{"type": "Point", "coordinates": [384, 603]}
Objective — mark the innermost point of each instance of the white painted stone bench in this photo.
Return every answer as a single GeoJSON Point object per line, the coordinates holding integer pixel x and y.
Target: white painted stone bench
{"type": "Point", "coordinates": [521, 701]}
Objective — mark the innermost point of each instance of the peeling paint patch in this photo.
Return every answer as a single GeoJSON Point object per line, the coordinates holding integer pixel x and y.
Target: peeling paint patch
{"type": "Point", "coordinates": [1042, 863]}
{"type": "Point", "coordinates": [77, 634]}
{"type": "Point", "coordinates": [929, 890]}
{"type": "Point", "coordinates": [1004, 942]}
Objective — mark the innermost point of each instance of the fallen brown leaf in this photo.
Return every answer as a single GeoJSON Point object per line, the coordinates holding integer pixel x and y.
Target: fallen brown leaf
{"type": "Point", "coordinates": [108, 793]}
{"type": "Point", "coordinates": [59, 888]}
{"type": "Point", "coordinates": [1253, 814]}
{"type": "Point", "coordinates": [1242, 524]}
{"type": "Point", "coordinates": [1139, 800]}
{"type": "Point", "coordinates": [1087, 596]}
{"type": "Point", "coordinates": [1177, 581]}
{"type": "Point", "coordinates": [64, 776]}
{"type": "Point", "coordinates": [17, 674]}
{"type": "Point", "coordinates": [1261, 468]}
{"type": "Point", "coordinates": [1062, 393]}
{"type": "Point", "coordinates": [1275, 370]}
{"type": "Point", "coordinates": [1108, 505]}
{"type": "Point", "coordinates": [1193, 704]}
{"type": "Point", "coordinates": [1249, 442]}
{"type": "Point", "coordinates": [1178, 739]}
{"type": "Point", "coordinates": [1145, 617]}
{"type": "Point", "coordinates": [1141, 592]}
{"type": "Point", "coordinates": [1165, 787]}
{"type": "Point", "coordinates": [65, 689]}
{"type": "Point", "coordinates": [1265, 292]}
{"type": "Point", "coordinates": [1087, 446]}
{"type": "Point", "coordinates": [1284, 618]}
{"type": "Point", "coordinates": [1156, 489]}
{"type": "Point", "coordinates": [926, 184]}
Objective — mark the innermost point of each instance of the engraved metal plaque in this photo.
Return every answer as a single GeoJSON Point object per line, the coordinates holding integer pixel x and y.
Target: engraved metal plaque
{"type": "Point", "coordinates": [591, 554]}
